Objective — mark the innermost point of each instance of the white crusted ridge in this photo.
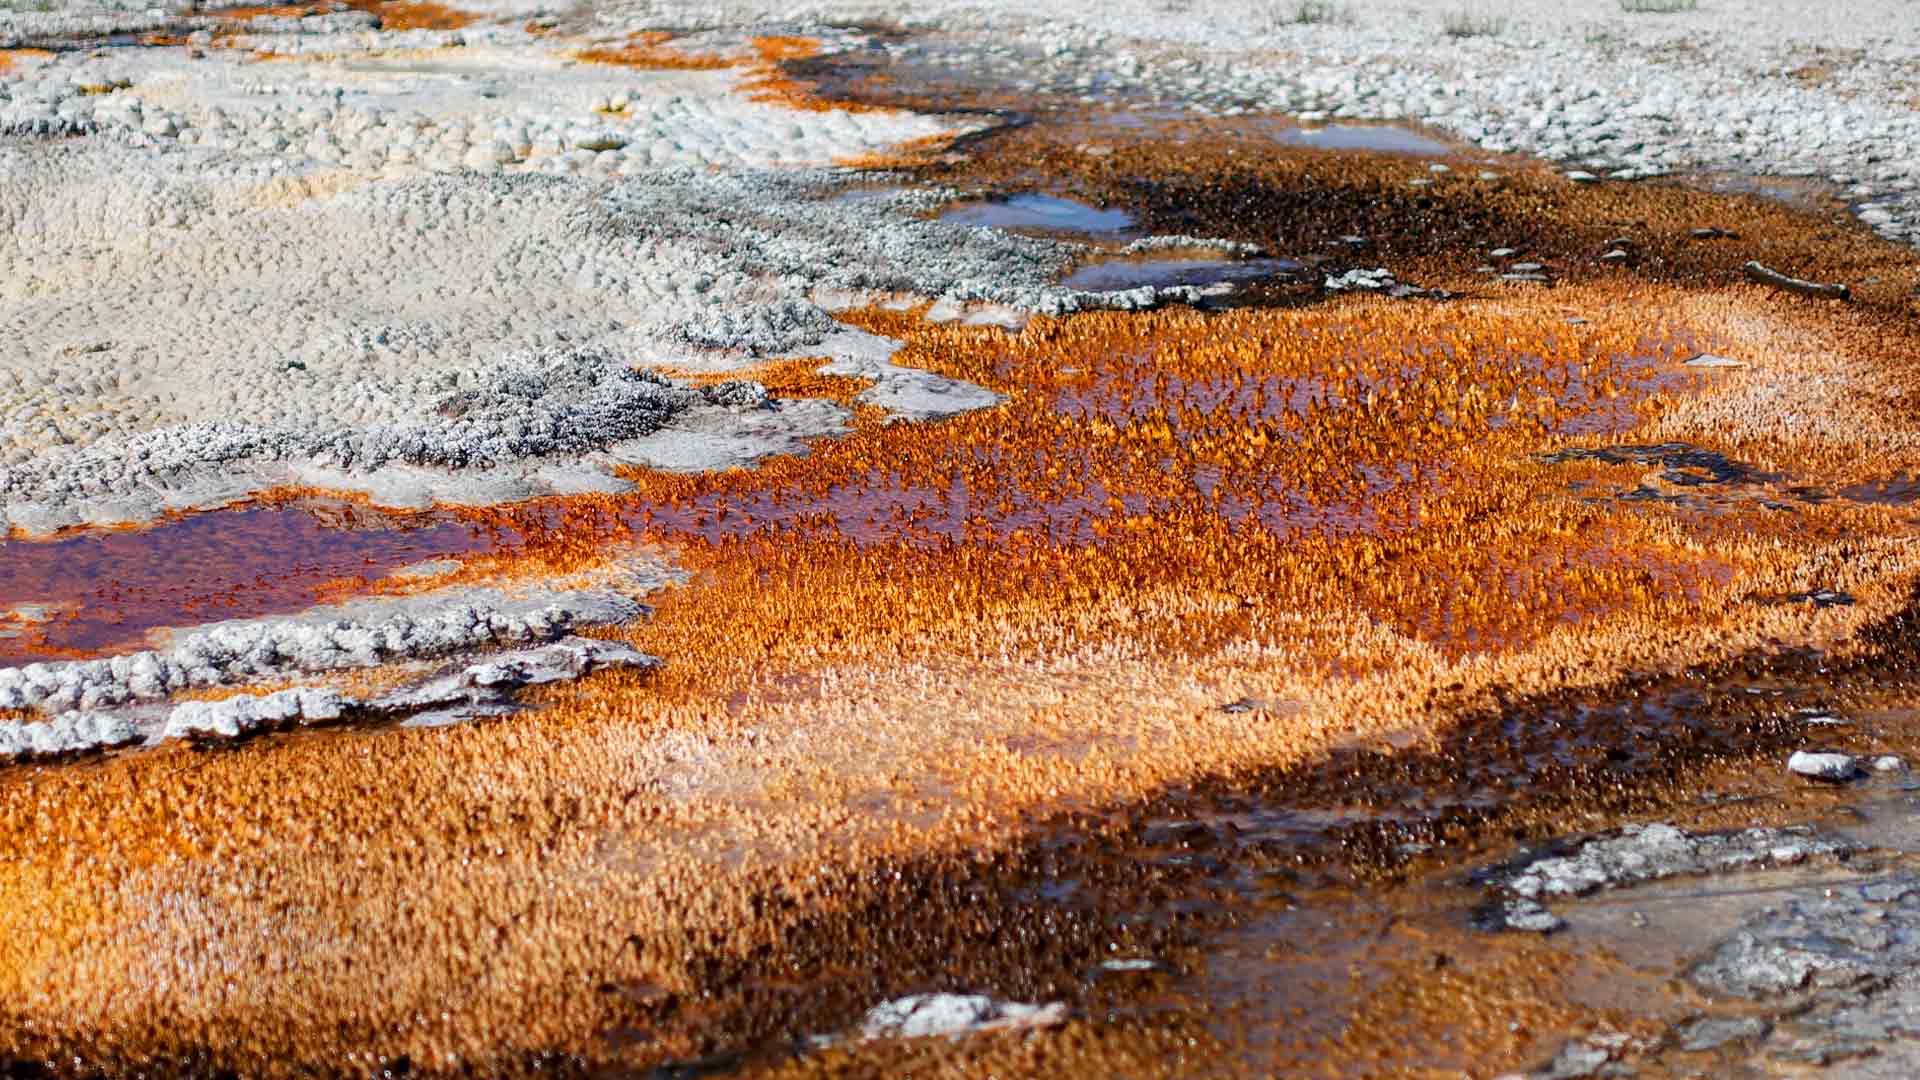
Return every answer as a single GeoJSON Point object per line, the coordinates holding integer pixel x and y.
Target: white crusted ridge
{"type": "Point", "coordinates": [235, 716]}
{"type": "Point", "coordinates": [482, 688]}
{"type": "Point", "coordinates": [358, 634]}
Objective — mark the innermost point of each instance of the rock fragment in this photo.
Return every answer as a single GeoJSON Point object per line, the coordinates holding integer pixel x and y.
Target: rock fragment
{"type": "Point", "coordinates": [72, 733]}
{"type": "Point", "coordinates": [1531, 916]}
{"type": "Point", "coordinates": [1823, 765]}
{"type": "Point", "coordinates": [484, 688]}
{"type": "Point", "coordinates": [1373, 280]}
{"type": "Point", "coordinates": [1713, 1032]}
{"type": "Point", "coordinates": [1640, 853]}
{"type": "Point", "coordinates": [236, 716]}
{"type": "Point", "coordinates": [922, 1015]}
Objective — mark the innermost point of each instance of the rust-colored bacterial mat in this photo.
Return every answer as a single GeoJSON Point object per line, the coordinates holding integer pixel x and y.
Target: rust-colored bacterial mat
{"type": "Point", "coordinates": [980, 705]}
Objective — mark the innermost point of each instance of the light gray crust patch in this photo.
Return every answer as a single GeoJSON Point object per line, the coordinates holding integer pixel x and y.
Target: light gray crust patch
{"type": "Point", "coordinates": [427, 278]}
{"type": "Point", "coordinates": [483, 688]}
{"type": "Point", "coordinates": [1642, 853]}
{"type": "Point", "coordinates": [313, 345]}
{"type": "Point", "coordinates": [717, 437]}
{"type": "Point", "coordinates": [558, 402]}
{"type": "Point", "coordinates": [905, 393]}
{"type": "Point", "coordinates": [361, 633]}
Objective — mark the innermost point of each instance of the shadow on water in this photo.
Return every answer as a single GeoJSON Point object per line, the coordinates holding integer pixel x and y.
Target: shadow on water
{"type": "Point", "coordinates": [1114, 275]}
{"type": "Point", "coordinates": [1291, 912]}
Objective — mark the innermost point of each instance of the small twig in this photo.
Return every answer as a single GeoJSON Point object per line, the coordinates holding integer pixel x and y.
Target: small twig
{"type": "Point", "coordinates": [1767, 276]}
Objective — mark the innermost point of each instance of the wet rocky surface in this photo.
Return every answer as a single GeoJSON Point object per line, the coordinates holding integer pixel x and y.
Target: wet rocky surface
{"type": "Point", "coordinates": [1715, 915]}
{"type": "Point", "coordinates": [1630, 878]}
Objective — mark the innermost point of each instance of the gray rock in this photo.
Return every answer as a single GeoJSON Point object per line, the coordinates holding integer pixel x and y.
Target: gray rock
{"type": "Point", "coordinates": [1594, 1055]}
{"type": "Point", "coordinates": [1823, 765]}
{"type": "Point", "coordinates": [906, 393]}
{"type": "Point", "coordinates": [1640, 853]}
{"type": "Point", "coordinates": [1530, 916]}
{"type": "Point", "coordinates": [69, 734]}
{"type": "Point", "coordinates": [601, 141]}
{"type": "Point", "coordinates": [1819, 943]}
{"type": "Point", "coordinates": [923, 1015]}
{"type": "Point", "coordinates": [487, 683]}
{"type": "Point", "coordinates": [1362, 280]}
{"type": "Point", "coordinates": [356, 634]}
{"type": "Point", "coordinates": [236, 716]}
{"type": "Point", "coordinates": [1713, 1032]}
{"type": "Point", "coordinates": [1576, 1059]}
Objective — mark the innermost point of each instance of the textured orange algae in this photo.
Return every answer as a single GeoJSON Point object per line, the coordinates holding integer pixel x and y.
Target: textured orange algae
{"type": "Point", "coordinates": [647, 52]}
{"type": "Point", "coordinates": [767, 80]}
{"type": "Point", "coordinates": [393, 14]}
{"type": "Point", "coordinates": [774, 85]}
{"type": "Point", "coordinates": [900, 643]}
{"type": "Point", "coordinates": [10, 57]}
{"type": "Point", "coordinates": [905, 641]}
{"type": "Point", "coordinates": [276, 11]}
{"type": "Point", "coordinates": [415, 15]}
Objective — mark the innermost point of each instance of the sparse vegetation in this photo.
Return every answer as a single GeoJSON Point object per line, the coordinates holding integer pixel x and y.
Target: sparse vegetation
{"type": "Point", "coordinates": [1466, 24]}
{"type": "Point", "coordinates": [1657, 7]}
{"type": "Point", "coordinates": [1309, 12]}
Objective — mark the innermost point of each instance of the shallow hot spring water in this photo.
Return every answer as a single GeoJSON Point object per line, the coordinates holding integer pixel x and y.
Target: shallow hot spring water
{"type": "Point", "coordinates": [1050, 213]}
{"type": "Point", "coordinates": [1057, 215]}
{"type": "Point", "coordinates": [1081, 449]}
{"type": "Point", "coordinates": [1114, 275]}
{"type": "Point", "coordinates": [1098, 445]}
{"type": "Point", "coordinates": [91, 591]}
